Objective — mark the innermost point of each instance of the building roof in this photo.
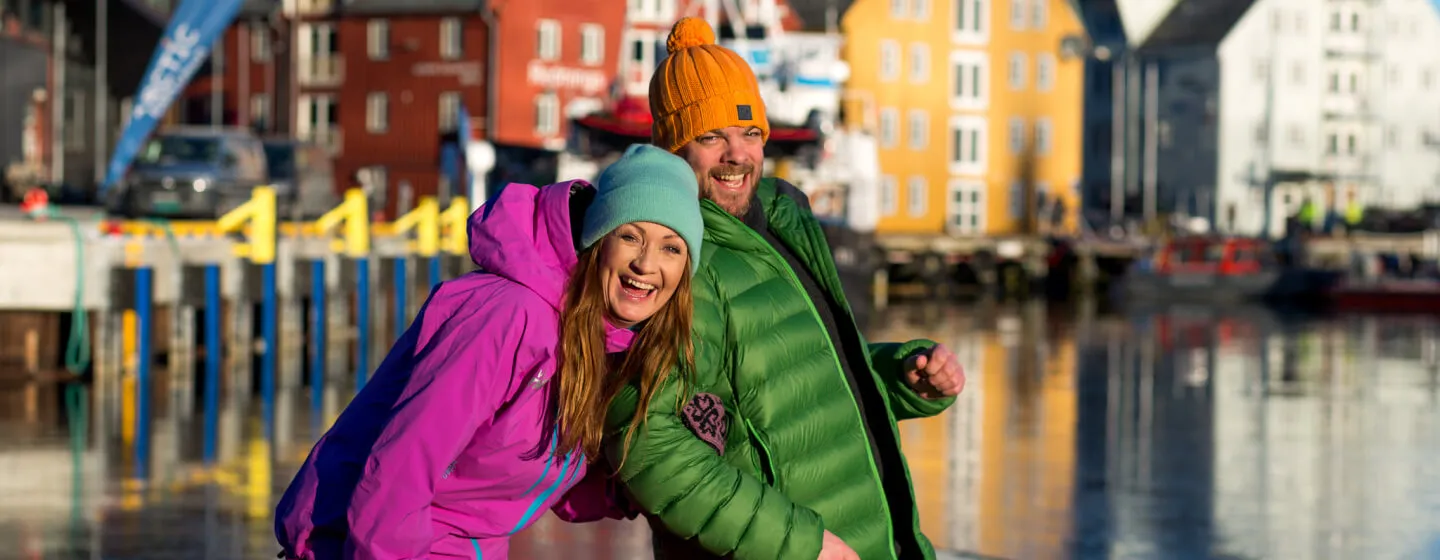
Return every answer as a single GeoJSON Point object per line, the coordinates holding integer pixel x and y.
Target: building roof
{"type": "Point", "coordinates": [812, 13]}
{"type": "Point", "coordinates": [1193, 23]}
{"type": "Point", "coordinates": [258, 8]}
{"type": "Point", "coordinates": [408, 6]}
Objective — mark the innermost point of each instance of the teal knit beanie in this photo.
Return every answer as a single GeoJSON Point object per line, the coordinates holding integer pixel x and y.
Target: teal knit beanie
{"type": "Point", "coordinates": [647, 184]}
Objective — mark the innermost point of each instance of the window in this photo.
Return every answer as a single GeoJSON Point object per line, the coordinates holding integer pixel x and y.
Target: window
{"type": "Point", "coordinates": [1262, 69]}
{"type": "Point", "coordinates": [968, 85]}
{"type": "Point", "coordinates": [889, 60]}
{"type": "Point", "coordinates": [919, 63]}
{"type": "Point", "coordinates": [1045, 72]}
{"type": "Point", "coordinates": [897, 9]}
{"type": "Point", "coordinates": [1332, 144]}
{"type": "Point", "coordinates": [449, 110]}
{"type": "Point", "coordinates": [259, 42]}
{"type": "Point", "coordinates": [919, 129]}
{"type": "Point", "coordinates": [377, 112]}
{"type": "Point", "coordinates": [967, 145]}
{"type": "Point", "coordinates": [75, 126]}
{"type": "Point", "coordinates": [889, 196]}
{"type": "Point", "coordinates": [547, 114]}
{"type": "Point", "coordinates": [966, 207]}
{"type": "Point", "coordinates": [1334, 82]}
{"type": "Point", "coordinates": [592, 44]}
{"type": "Point", "coordinates": [377, 39]}
{"type": "Point", "coordinates": [921, 9]}
{"type": "Point", "coordinates": [1297, 73]}
{"type": "Point", "coordinates": [1017, 200]}
{"type": "Point", "coordinates": [318, 121]}
{"type": "Point", "coordinates": [889, 127]}
{"type": "Point", "coordinates": [1016, 72]}
{"type": "Point", "coordinates": [260, 111]}
{"type": "Point", "coordinates": [547, 40]}
{"type": "Point", "coordinates": [1335, 20]}
{"type": "Point", "coordinates": [1039, 14]}
{"type": "Point", "coordinates": [1350, 144]}
{"type": "Point", "coordinates": [970, 17]}
{"type": "Point", "coordinates": [1297, 136]}
{"type": "Point", "coordinates": [1017, 135]}
{"type": "Point", "coordinates": [451, 40]}
{"type": "Point", "coordinates": [1043, 136]}
{"type": "Point", "coordinates": [1017, 15]}
{"type": "Point", "coordinates": [917, 196]}
{"type": "Point", "coordinates": [1392, 137]}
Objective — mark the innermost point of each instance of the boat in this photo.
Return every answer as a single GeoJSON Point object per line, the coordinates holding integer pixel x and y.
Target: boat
{"type": "Point", "coordinates": [1387, 295]}
{"type": "Point", "coordinates": [1220, 269]}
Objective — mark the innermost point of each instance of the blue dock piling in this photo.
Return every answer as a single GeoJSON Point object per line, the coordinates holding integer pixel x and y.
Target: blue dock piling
{"type": "Point", "coordinates": [362, 321]}
{"type": "Point", "coordinates": [317, 334]}
{"type": "Point", "coordinates": [402, 287]}
{"type": "Point", "coordinates": [268, 311]}
{"type": "Point", "coordinates": [212, 359]}
{"type": "Point", "coordinates": [145, 326]}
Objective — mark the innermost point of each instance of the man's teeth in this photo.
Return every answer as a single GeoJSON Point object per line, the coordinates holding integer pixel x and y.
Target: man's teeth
{"type": "Point", "coordinates": [637, 284]}
{"type": "Point", "coordinates": [730, 178]}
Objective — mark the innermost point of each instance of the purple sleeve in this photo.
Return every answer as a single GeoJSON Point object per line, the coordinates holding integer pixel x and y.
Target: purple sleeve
{"type": "Point", "coordinates": [460, 375]}
{"type": "Point", "coordinates": [597, 496]}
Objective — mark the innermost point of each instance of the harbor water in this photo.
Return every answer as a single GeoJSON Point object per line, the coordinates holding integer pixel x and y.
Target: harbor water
{"type": "Point", "coordinates": [1083, 433]}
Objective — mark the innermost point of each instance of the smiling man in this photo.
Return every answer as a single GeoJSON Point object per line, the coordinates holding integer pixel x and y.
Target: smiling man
{"type": "Point", "coordinates": [787, 447]}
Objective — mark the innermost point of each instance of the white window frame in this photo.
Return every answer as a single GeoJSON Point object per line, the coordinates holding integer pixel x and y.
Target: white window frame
{"type": "Point", "coordinates": [969, 144]}
{"type": "Point", "coordinates": [547, 114]}
{"type": "Point", "coordinates": [449, 110]}
{"type": "Point", "coordinates": [592, 44]}
{"type": "Point", "coordinates": [966, 66]}
{"type": "Point", "coordinates": [899, 9]}
{"type": "Point", "coordinates": [919, 63]}
{"type": "Point", "coordinates": [889, 195]}
{"type": "Point", "coordinates": [260, 108]}
{"type": "Point", "coordinates": [1015, 72]}
{"type": "Point", "coordinates": [259, 41]}
{"type": "Point", "coordinates": [889, 127]}
{"type": "Point", "coordinates": [969, 22]}
{"type": "Point", "coordinates": [1045, 68]}
{"type": "Point", "coordinates": [547, 39]}
{"type": "Point", "coordinates": [452, 38]}
{"type": "Point", "coordinates": [1017, 15]}
{"type": "Point", "coordinates": [1017, 135]}
{"type": "Point", "coordinates": [377, 39]}
{"type": "Point", "coordinates": [1039, 14]}
{"type": "Point", "coordinates": [918, 129]}
{"type": "Point", "coordinates": [921, 9]}
{"type": "Point", "coordinates": [890, 60]}
{"type": "Point", "coordinates": [1044, 136]}
{"type": "Point", "coordinates": [970, 204]}
{"type": "Point", "coordinates": [377, 112]}
{"type": "Point", "coordinates": [1016, 196]}
{"type": "Point", "coordinates": [917, 196]}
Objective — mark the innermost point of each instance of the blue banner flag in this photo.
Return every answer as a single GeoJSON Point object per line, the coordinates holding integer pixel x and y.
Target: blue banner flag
{"type": "Point", "coordinates": [193, 28]}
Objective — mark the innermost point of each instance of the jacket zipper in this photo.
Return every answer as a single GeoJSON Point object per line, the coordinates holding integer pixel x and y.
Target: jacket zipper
{"type": "Point", "coordinates": [834, 356]}
{"type": "Point", "coordinates": [766, 469]}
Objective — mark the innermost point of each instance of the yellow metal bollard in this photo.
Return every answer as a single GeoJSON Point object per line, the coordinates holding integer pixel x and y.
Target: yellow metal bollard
{"type": "Point", "coordinates": [354, 213]}
{"type": "Point", "coordinates": [425, 221]}
{"type": "Point", "coordinates": [454, 225]}
{"type": "Point", "coordinates": [259, 215]}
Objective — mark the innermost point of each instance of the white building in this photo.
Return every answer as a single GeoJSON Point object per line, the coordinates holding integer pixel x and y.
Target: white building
{"type": "Point", "coordinates": [1331, 99]}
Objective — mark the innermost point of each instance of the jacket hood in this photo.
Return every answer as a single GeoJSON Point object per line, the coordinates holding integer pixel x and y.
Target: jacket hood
{"type": "Point", "coordinates": [523, 234]}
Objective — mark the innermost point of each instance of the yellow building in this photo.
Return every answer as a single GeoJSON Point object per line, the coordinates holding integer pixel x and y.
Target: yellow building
{"type": "Point", "coordinates": [977, 107]}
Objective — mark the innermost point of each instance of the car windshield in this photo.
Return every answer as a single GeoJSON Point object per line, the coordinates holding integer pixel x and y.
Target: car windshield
{"type": "Point", "coordinates": [280, 161]}
{"type": "Point", "coordinates": [171, 150]}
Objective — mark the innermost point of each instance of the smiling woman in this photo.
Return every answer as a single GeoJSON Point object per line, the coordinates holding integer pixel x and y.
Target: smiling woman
{"type": "Point", "coordinates": [460, 440]}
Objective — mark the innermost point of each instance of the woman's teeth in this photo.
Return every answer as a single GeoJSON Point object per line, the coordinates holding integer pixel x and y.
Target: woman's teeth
{"type": "Point", "coordinates": [637, 284]}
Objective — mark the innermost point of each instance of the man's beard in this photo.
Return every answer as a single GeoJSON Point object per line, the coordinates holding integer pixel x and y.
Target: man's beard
{"type": "Point", "coordinates": [737, 204]}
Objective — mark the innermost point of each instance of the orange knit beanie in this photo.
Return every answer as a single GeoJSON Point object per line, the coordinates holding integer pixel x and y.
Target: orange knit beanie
{"type": "Point", "coordinates": [701, 86]}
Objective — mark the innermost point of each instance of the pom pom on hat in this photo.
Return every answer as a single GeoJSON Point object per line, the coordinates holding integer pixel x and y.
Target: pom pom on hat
{"type": "Point", "coordinates": [689, 32]}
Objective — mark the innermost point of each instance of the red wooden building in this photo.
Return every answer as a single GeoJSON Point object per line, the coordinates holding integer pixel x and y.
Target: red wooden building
{"type": "Point", "coordinates": [381, 82]}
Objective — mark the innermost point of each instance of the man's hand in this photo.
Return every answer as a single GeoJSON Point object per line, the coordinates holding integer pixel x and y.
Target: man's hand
{"type": "Point", "coordinates": [934, 373]}
{"type": "Point", "coordinates": [832, 548]}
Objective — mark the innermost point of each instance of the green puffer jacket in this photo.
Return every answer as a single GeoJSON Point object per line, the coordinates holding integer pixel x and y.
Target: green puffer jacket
{"type": "Point", "coordinates": [796, 460]}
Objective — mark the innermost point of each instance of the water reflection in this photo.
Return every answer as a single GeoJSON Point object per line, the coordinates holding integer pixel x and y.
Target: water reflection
{"type": "Point", "coordinates": [1182, 433]}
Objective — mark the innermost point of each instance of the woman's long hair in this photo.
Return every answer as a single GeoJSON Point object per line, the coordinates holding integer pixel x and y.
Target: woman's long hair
{"type": "Point", "coordinates": [587, 382]}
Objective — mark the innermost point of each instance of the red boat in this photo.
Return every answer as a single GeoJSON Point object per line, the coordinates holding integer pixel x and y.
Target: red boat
{"type": "Point", "coordinates": [1404, 295]}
